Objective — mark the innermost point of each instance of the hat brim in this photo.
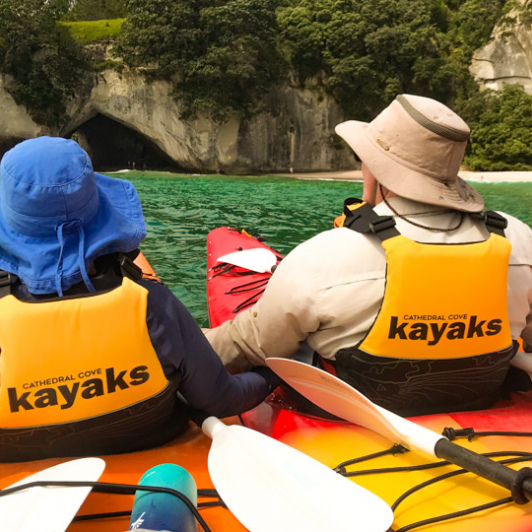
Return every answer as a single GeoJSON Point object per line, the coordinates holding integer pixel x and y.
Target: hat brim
{"type": "Point", "coordinates": [118, 225]}
{"type": "Point", "coordinates": [403, 180]}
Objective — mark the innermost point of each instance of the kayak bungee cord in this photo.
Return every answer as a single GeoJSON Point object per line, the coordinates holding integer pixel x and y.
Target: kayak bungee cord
{"type": "Point", "coordinates": [257, 287]}
{"type": "Point", "coordinates": [224, 267]}
{"type": "Point", "coordinates": [453, 515]}
{"type": "Point", "coordinates": [470, 433]}
{"type": "Point", "coordinates": [123, 489]}
{"type": "Point", "coordinates": [398, 449]}
{"type": "Point", "coordinates": [524, 456]}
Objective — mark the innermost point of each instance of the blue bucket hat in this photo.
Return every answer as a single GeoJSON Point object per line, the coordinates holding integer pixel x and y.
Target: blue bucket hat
{"type": "Point", "coordinates": [57, 215]}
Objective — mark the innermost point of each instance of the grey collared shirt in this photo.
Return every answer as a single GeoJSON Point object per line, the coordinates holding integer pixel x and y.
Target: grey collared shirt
{"type": "Point", "coordinates": [329, 289]}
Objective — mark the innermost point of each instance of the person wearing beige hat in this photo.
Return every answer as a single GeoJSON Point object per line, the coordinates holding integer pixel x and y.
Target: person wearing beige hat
{"type": "Point", "coordinates": [419, 296]}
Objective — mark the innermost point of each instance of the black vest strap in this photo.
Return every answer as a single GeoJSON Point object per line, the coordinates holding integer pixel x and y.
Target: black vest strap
{"type": "Point", "coordinates": [128, 268]}
{"type": "Point", "coordinates": [365, 220]}
{"type": "Point", "coordinates": [7, 280]}
{"type": "Point", "coordinates": [495, 223]}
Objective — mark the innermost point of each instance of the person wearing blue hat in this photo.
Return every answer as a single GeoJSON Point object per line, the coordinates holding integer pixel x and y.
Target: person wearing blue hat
{"type": "Point", "coordinates": [93, 356]}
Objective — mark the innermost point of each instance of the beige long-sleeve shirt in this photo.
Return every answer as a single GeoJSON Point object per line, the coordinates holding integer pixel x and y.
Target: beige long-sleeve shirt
{"type": "Point", "coordinates": [329, 289]}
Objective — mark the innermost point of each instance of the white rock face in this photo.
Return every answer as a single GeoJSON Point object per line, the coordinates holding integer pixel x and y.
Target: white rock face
{"type": "Point", "coordinates": [15, 122]}
{"type": "Point", "coordinates": [507, 58]}
{"type": "Point", "coordinates": [296, 133]}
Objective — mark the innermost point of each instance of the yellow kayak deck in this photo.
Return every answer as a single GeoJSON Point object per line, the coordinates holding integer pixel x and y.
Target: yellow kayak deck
{"type": "Point", "coordinates": [332, 443]}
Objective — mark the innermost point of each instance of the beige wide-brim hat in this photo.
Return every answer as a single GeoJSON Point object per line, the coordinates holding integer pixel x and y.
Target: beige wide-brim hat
{"type": "Point", "coordinates": [414, 148]}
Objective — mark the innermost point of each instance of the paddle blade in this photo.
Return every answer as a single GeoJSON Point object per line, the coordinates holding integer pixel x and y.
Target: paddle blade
{"type": "Point", "coordinates": [271, 486]}
{"type": "Point", "coordinates": [339, 398]}
{"type": "Point", "coordinates": [49, 509]}
{"type": "Point", "coordinates": [258, 260]}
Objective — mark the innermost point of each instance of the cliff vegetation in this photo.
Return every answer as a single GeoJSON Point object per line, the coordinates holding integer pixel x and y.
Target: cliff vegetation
{"type": "Point", "coordinates": [224, 57]}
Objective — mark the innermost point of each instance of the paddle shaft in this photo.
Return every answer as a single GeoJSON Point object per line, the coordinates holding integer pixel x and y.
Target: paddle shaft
{"type": "Point", "coordinates": [482, 466]}
{"type": "Point", "coordinates": [342, 400]}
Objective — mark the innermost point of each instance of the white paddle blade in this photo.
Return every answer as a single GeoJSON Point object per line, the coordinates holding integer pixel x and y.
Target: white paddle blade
{"type": "Point", "coordinates": [258, 260]}
{"type": "Point", "coordinates": [49, 509]}
{"type": "Point", "coordinates": [339, 398]}
{"type": "Point", "coordinates": [269, 486]}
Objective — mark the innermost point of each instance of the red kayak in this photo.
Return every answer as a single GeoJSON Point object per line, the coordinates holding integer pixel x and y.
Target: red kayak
{"type": "Point", "coordinates": [419, 498]}
{"type": "Point", "coordinates": [230, 288]}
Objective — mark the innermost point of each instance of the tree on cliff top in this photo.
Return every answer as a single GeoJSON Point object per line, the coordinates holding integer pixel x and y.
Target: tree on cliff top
{"type": "Point", "coordinates": [39, 59]}
{"type": "Point", "coordinates": [367, 51]}
{"type": "Point", "coordinates": [221, 55]}
{"type": "Point", "coordinates": [501, 136]}
{"type": "Point", "coordinates": [83, 10]}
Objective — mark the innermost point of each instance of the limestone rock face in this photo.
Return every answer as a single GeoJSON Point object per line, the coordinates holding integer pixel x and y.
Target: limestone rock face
{"type": "Point", "coordinates": [507, 58]}
{"type": "Point", "coordinates": [297, 131]}
{"type": "Point", "coordinates": [15, 122]}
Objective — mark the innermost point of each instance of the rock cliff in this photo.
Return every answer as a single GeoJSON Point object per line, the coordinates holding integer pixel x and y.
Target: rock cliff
{"type": "Point", "coordinates": [507, 58]}
{"type": "Point", "coordinates": [297, 132]}
{"type": "Point", "coordinates": [123, 119]}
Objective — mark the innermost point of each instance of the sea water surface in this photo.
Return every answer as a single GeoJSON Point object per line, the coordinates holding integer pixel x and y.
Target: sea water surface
{"type": "Point", "coordinates": [181, 210]}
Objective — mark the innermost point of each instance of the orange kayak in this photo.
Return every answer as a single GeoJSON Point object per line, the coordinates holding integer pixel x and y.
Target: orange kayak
{"type": "Point", "coordinates": [332, 442]}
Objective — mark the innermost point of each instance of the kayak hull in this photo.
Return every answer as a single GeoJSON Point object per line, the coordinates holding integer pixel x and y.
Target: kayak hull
{"type": "Point", "coordinates": [189, 451]}
{"type": "Point", "coordinates": [333, 442]}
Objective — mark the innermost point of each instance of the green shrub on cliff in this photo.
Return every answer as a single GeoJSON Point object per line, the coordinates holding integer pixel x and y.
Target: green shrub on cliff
{"type": "Point", "coordinates": [501, 134]}
{"type": "Point", "coordinates": [367, 51]}
{"type": "Point", "coordinates": [83, 10]}
{"type": "Point", "coordinates": [93, 30]}
{"type": "Point", "coordinates": [38, 56]}
{"type": "Point", "coordinates": [220, 55]}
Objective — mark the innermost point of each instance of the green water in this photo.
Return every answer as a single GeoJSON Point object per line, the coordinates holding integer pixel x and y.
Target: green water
{"type": "Point", "coordinates": [181, 210]}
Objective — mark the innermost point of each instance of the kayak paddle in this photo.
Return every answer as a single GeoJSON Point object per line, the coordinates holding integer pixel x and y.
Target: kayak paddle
{"type": "Point", "coordinates": [268, 486]}
{"type": "Point", "coordinates": [260, 260]}
{"type": "Point", "coordinates": [342, 400]}
{"type": "Point", "coordinates": [52, 508]}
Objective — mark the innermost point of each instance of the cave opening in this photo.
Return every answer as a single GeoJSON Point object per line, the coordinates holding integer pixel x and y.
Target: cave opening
{"type": "Point", "coordinates": [8, 143]}
{"type": "Point", "coordinates": [113, 146]}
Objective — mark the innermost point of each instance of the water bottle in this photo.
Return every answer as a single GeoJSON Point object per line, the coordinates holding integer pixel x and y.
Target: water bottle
{"type": "Point", "coordinates": [163, 511]}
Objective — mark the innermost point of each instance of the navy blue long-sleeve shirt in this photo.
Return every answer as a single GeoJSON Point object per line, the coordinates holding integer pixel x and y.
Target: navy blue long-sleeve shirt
{"type": "Point", "coordinates": [181, 346]}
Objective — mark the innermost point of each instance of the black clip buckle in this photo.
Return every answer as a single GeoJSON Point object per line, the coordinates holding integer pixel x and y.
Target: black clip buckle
{"type": "Point", "coordinates": [129, 268]}
{"type": "Point", "coordinates": [6, 278]}
{"type": "Point", "coordinates": [494, 219]}
{"type": "Point", "coordinates": [382, 223]}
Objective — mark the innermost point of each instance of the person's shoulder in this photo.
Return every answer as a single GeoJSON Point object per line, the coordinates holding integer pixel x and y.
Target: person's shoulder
{"type": "Point", "coordinates": [520, 236]}
{"type": "Point", "coordinates": [328, 249]}
{"type": "Point", "coordinates": [515, 224]}
{"type": "Point", "coordinates": [332, 240]}
{"type": "Point", "coordinates": [155, 287]}
{"type": "Point", "coordinates": [159, 295]}
{"type": "Point", "coordinates": [166, 308]}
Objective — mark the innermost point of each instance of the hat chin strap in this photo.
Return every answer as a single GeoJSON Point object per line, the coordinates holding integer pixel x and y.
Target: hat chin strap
{"type": "Point", "coordinates": [77, 225]}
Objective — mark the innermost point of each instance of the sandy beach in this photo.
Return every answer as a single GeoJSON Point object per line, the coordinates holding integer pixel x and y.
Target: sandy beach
{"type": "Point", "coordinates": [356, 175]}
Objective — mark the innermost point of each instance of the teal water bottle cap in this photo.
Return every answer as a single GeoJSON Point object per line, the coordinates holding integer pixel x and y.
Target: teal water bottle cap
{"type": "Point", "coordinates": [163, 511]}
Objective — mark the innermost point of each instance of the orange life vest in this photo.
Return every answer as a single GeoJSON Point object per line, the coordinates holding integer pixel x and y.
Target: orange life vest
{"type": "Point", "coordinates": [71, 365]}
{"type": "Point", "coordinates": [441, 340]}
